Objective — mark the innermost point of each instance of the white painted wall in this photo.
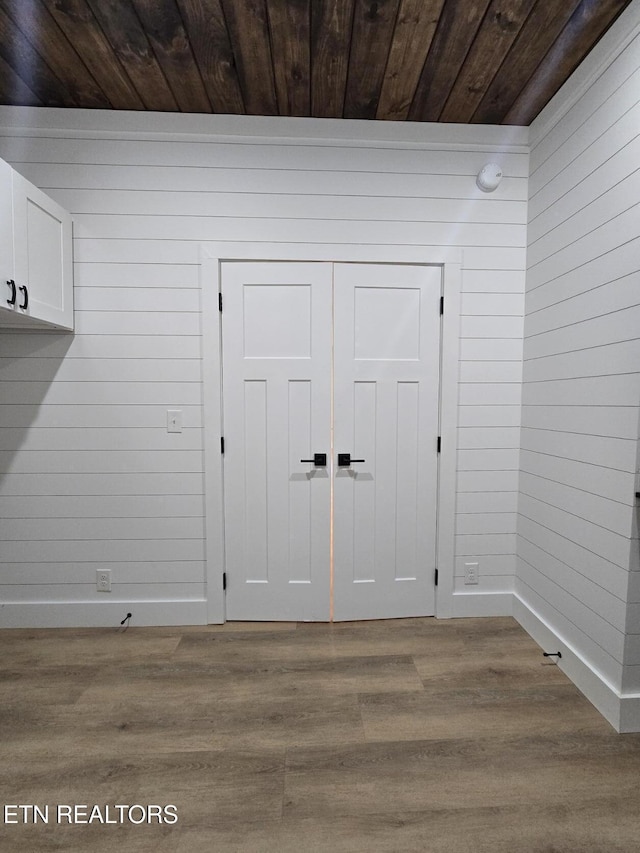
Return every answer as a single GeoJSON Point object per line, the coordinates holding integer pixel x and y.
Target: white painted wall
{"type": "Point", "coordinates": [577, 559]}
{"type": "Point", "coordinates": [90, 477]}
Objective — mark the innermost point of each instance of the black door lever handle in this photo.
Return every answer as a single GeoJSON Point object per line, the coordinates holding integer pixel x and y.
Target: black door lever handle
{"type": "Point", "coordinates": [345, 460]}
{"type": "Point", "coordinates": [319, 460]}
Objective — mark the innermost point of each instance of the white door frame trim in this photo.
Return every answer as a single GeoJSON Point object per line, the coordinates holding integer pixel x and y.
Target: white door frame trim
{"type": "Point", "coordinates": [212, 255]}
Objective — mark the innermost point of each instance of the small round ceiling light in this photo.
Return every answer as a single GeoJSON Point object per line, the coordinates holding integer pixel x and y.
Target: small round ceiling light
{"type": "Point", "coordinates": [489, 177]}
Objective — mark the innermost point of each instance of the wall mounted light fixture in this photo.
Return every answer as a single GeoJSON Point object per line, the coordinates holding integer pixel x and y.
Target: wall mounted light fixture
{"type": "Point", "coordinates": [489, 177]}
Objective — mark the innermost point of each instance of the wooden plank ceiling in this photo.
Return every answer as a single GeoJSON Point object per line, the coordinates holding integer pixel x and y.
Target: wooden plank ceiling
{"type": "Point", "coordinates": [469, 61]}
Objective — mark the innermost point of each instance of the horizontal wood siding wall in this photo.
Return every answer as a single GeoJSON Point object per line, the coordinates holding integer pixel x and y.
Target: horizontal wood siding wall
{"type": "Point", "coordinates": [581, 375]}
{"type": "Point", "coordinates": [90, 477]}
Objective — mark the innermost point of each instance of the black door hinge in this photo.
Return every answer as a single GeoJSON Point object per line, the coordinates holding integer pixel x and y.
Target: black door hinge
{"type": "Point", "coordinates": [436, 577]}
{"type": "Point", "coordinates": [439, 443]}
{"type": "Point", "coordinates": [221, 444]}
{"type": "Point", "coordinates": [441, 305]}
{"type": "Point", "coordinates": [224, 581]}
{"type": "Point", "coordinates": [220, 303]}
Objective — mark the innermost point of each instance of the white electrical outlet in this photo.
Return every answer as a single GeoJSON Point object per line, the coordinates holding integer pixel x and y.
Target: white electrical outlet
{"type": "Point", "coordinates": [103, 580]}
{"type": "Point", "coordinates": [471, 573]}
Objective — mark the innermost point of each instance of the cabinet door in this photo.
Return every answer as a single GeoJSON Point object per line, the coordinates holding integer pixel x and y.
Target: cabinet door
{"type": "Point", "coordinates": [6, 241]}
{"type": "Point", "coordinates": [43, 262]}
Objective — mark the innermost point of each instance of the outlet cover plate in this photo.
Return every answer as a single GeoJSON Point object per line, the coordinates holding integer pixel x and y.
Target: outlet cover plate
{"type": "Point", "coordinates": [103, 580]}
{"type": "Point", "coordinates": [471, 572]}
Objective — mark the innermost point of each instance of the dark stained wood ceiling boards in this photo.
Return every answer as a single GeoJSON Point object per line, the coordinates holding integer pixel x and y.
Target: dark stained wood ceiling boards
{"type": "Point", "coordinates": [468, 61]}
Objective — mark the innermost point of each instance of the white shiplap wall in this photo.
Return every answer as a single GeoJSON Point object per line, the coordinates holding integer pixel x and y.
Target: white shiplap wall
{"type": "Point", "coordinates": [91, 478]}
{"type": "Point", "coordinates": [581, 390]}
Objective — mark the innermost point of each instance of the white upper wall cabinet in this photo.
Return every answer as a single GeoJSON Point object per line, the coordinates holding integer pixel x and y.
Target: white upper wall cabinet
{"type": "Point", "coordinates": [36, 256]}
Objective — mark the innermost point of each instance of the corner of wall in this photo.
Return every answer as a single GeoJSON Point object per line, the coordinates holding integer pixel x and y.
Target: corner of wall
{"type": "Point", "coordinates": [621, 710]}
{"type": "Point", "coordinates": [624, 30]}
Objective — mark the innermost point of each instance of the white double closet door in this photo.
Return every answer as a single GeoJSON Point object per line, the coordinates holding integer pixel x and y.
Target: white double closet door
{"type": "Point", "coordinates": [330, 359]}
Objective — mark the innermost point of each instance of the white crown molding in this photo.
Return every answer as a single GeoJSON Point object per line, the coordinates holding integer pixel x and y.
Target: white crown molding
{"type": "Point", "coordinates": [107, 124]}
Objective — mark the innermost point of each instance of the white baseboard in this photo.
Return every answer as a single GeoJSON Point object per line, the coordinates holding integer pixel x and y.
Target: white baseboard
{"type": "Point", "coordinates": [91, 614]}
{"type": "Point", "coordinates": [629, 713]}
{"type": "Point", "coordinates": [482, 604]}
{"type": "Point", "coordinates": [621, 710]}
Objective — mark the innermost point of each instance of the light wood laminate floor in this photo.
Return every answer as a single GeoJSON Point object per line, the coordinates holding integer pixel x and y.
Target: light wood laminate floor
{"type": "Point", "coordinates": [404, 735]}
